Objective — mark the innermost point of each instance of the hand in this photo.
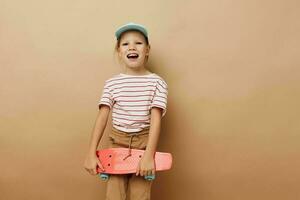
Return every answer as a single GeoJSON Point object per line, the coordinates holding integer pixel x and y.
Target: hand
{"type": "Point", "coordinates": [146, 166]}
{"type": "Point", "coordinates": [91, 164]}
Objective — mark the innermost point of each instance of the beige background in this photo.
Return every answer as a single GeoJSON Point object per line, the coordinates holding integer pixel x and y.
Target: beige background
{"type": "Point", "coordinates": [233, 111]}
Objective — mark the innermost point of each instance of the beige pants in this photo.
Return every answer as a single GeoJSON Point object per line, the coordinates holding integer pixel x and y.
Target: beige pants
{"type": "Point", "coordinates": [128, 187]}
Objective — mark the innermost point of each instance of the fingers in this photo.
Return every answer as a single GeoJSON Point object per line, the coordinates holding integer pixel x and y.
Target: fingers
{"type": "Point", "coordinates": [153, 172]}
{"type": "Point", "coordinates": [138, 171]}
{"type": "Point", "coordinates": [142, 172]}
{"type": "Point", "coordinates": [90, 171]}
{"type": "Point", "coordinates": [94, 170]}
{"type": "Point", "coordinates": [93, 165]}
{"type": "Point", "coordinates": [150, 172]}
{"type": "Point", "coordinates": [99, 165]}
{"type": "Point", "coordinates": [145, 172]}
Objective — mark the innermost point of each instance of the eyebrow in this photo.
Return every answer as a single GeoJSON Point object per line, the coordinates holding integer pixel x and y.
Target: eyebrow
{"type": "Point", "coordinates": [138, 40]}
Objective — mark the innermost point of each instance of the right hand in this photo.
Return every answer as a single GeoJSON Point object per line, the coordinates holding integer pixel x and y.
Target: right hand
{"type": "Point", "coordinates": [91, 164]}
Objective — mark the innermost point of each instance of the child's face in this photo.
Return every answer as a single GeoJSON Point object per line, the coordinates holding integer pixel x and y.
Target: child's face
{"type": "Point", "coordinates": [133, 49]}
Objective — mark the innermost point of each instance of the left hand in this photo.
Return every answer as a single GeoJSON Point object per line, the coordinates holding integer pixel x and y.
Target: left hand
{"type": "Point", "coordinates": [146, 166]}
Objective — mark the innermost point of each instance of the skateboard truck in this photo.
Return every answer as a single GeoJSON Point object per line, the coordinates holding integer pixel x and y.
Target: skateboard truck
{"type": "Point", "coordinates": [105, 177]}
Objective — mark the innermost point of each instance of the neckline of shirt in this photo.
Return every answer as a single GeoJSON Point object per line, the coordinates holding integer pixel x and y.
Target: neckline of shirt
{"type": "Point", "coordinates": [122, 74]}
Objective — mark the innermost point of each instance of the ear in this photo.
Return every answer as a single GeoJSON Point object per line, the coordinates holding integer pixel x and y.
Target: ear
{"type": "Point", "coordinates": [148, 50]}
{"type": "Point", "coordinates": [119, 53]}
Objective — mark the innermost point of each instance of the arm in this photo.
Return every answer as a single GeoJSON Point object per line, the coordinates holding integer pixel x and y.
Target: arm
{"type": "Point", "coordinates": [91, 160]}
{"type": "Point", "coordinates": [154, 131]}
{"type": "Point", "coordinates": [146, 166]}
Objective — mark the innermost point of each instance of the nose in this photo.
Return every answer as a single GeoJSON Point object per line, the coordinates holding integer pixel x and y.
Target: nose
{"type": "Point", "coordinates": [131, 46]}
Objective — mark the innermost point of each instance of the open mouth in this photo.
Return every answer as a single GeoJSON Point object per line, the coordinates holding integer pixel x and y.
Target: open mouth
{"type": "Point", "coordinates": [132, 56]}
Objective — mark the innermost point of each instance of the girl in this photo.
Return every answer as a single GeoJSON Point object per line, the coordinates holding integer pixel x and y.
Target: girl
{"type": "Point", "coordinates": [138, 99]}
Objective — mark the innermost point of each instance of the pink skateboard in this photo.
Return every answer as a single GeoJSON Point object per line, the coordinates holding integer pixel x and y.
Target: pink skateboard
{"type": "Point", "coordinates": [125, 161]}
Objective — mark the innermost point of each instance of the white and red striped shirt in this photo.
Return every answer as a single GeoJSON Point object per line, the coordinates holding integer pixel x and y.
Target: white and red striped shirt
{"type": "Point", "coordinates": [131, 98]}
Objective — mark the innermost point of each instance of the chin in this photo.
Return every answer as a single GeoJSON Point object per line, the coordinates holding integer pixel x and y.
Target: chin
{"type": "Point", "coordinates": [133, 65]}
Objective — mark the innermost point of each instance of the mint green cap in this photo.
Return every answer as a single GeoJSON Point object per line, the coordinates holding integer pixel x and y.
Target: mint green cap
{"type": "Point", "coordinates": [131, 26]}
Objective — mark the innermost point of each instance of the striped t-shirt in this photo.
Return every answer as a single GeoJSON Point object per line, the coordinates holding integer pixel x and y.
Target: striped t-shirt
{"type": "Point", "coordinates": [131, 98]}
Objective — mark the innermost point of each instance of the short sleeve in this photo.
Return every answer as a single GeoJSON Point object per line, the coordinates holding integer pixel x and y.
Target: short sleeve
{"type": "Point", "coordinates": [106, 97]}
{"type": "Point", "coordinates": [160, 96]}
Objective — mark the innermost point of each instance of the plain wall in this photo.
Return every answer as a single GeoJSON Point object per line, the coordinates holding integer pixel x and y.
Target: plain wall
{"type": "Point", "coordinates": [232, 121]}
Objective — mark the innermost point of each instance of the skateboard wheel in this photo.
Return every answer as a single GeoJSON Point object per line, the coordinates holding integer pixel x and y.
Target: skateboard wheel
{"type": "Point", "coordinates": [104, 177]}
{"type": "Point", "coordinates": [150, 178]}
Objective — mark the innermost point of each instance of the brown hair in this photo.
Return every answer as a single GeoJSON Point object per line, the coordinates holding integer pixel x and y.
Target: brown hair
{"type": "Point", "coordinates": [117, 45]}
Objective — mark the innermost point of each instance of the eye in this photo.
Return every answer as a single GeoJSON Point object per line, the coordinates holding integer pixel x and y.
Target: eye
{"type": "Point", "coordinates": [139, 43]}
{"type": "Point", "coordinates": [124, 44]}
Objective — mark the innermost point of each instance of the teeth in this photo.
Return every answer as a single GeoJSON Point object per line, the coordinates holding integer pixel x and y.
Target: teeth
{"type": "Point", "coordinates": [132, 55]}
